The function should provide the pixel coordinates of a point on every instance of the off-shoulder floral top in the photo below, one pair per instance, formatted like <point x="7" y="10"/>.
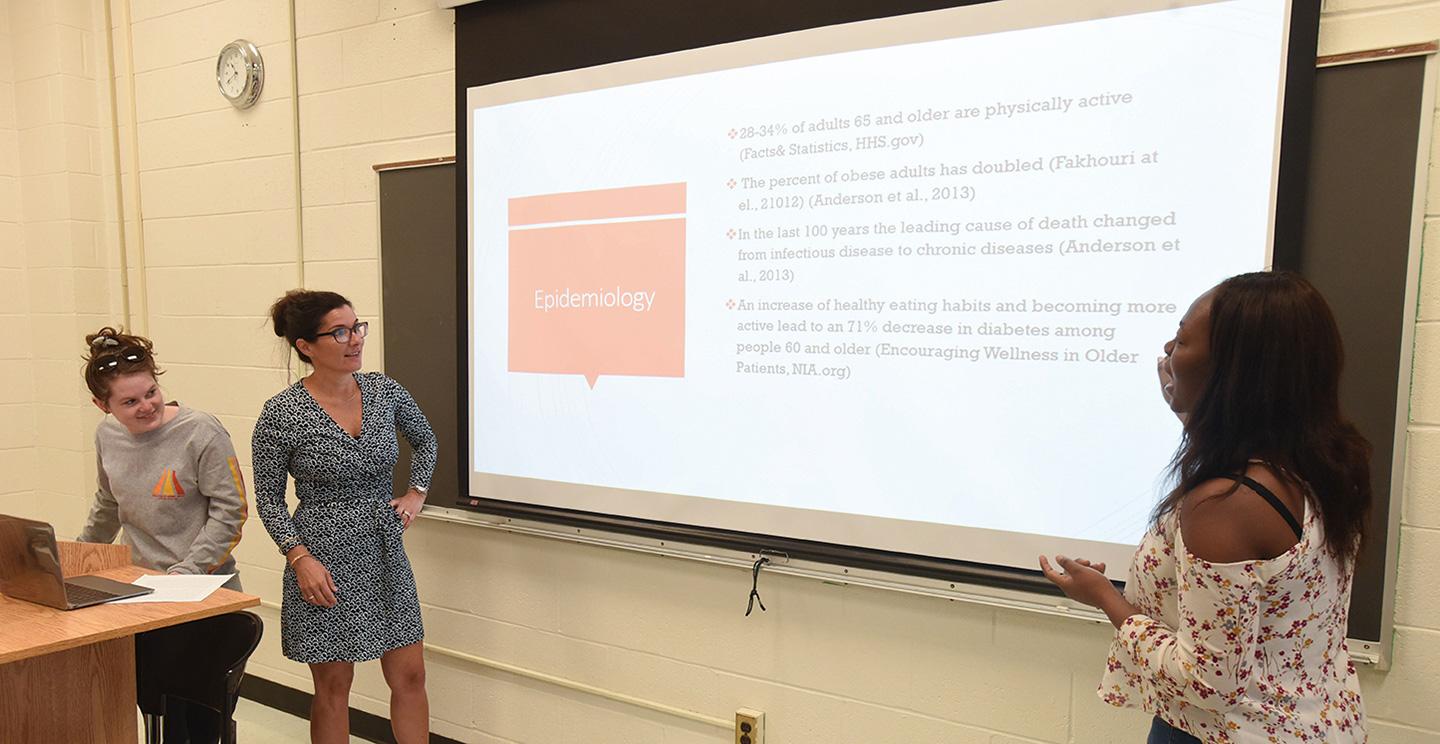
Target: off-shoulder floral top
<point x="1239" y="652"/>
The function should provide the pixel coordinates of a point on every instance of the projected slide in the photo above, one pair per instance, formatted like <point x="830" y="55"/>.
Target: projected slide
<point x="586" y="271"/>
<point x="899" y="284"/>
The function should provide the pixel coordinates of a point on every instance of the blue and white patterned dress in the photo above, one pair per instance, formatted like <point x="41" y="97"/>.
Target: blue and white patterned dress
<point x="344" y="518"/>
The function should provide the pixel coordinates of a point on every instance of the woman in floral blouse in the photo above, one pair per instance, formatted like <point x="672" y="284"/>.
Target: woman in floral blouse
<point x="1232" y="625"/>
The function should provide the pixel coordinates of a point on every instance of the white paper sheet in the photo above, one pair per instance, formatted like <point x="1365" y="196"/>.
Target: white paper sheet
<point x="177" y="587"/>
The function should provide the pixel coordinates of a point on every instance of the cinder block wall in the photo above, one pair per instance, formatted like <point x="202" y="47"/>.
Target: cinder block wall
<point x="17" y="387"/>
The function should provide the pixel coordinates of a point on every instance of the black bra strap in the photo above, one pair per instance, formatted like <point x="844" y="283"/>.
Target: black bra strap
<point x="1273" y="500"/>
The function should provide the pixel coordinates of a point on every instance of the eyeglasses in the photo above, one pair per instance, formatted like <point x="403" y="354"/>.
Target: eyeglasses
<point x="342" y="335"/>
<point x="112" y="361"/>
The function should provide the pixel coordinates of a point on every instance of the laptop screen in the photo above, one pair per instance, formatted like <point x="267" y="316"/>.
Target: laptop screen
<point x="30" y="562"/>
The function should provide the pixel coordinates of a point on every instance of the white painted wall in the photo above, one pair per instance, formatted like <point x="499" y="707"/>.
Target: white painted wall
<point x="219" y="239"/>
<point x="51" y="234"/>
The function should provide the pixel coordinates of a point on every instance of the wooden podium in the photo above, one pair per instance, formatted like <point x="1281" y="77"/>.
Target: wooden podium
<point x="70" y="675"/>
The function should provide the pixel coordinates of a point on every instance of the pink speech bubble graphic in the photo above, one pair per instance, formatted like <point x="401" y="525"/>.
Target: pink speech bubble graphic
<point x="598" y="298"/>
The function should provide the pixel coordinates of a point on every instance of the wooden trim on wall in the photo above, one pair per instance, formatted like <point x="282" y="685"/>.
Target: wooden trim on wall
<point x="1368" y="55"/>
<point x="441" y="160"/>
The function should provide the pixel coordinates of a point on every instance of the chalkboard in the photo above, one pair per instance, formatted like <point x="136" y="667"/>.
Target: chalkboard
<point x="417" y="296"/>
<point x="1356" y="243"/>
<point x="1356" y="250"/>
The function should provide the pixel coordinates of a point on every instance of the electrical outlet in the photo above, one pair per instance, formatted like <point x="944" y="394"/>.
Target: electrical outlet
<point x="749" y="726"/>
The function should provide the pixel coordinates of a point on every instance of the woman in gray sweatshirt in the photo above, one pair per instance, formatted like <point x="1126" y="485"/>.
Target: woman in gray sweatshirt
<point x="166" y="474"/>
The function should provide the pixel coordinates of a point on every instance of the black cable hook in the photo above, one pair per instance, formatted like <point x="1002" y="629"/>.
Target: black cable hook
<point x="755" y="586"/>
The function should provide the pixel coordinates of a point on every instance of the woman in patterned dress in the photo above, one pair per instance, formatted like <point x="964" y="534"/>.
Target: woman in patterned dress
<point x="1232" y="625"/>
<point x="349" y="594"/>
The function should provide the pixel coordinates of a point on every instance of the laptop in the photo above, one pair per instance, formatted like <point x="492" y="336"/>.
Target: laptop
<point x="30" y="570"/>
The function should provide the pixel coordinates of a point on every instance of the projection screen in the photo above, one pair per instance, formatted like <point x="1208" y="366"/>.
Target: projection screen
<point x="898" y="284"/>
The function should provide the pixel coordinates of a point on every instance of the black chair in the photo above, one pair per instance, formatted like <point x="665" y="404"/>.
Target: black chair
<point x="196" y="667"/>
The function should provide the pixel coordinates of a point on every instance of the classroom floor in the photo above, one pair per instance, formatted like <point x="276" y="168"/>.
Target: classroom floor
<point x="261" y="724"/>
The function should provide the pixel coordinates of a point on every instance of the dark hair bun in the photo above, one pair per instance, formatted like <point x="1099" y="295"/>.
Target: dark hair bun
<point x="108" y="338"/>
<point x="279" y="311"/>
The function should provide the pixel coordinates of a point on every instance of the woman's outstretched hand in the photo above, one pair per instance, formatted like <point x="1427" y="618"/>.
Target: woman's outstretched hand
<point x="1085" y="582"/>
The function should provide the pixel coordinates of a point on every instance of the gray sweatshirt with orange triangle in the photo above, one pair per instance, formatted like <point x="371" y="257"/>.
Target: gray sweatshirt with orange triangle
<point x="177" y="492"/>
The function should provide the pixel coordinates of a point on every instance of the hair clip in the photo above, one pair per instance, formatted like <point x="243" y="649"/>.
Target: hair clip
<point x="105" y="341"/>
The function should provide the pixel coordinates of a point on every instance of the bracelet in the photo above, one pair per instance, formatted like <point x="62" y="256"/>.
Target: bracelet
<point x="299" y="558"/>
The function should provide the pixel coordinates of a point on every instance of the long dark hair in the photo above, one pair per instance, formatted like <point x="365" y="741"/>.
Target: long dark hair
<point x="1273" y="395"/>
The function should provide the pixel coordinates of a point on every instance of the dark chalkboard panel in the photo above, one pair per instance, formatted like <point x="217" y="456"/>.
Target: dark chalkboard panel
<point x="417" y="293"/>
<point x="1361" y="203"/>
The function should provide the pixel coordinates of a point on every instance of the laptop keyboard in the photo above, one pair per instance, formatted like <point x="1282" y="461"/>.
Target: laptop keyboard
<point x="79" y="595"/>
